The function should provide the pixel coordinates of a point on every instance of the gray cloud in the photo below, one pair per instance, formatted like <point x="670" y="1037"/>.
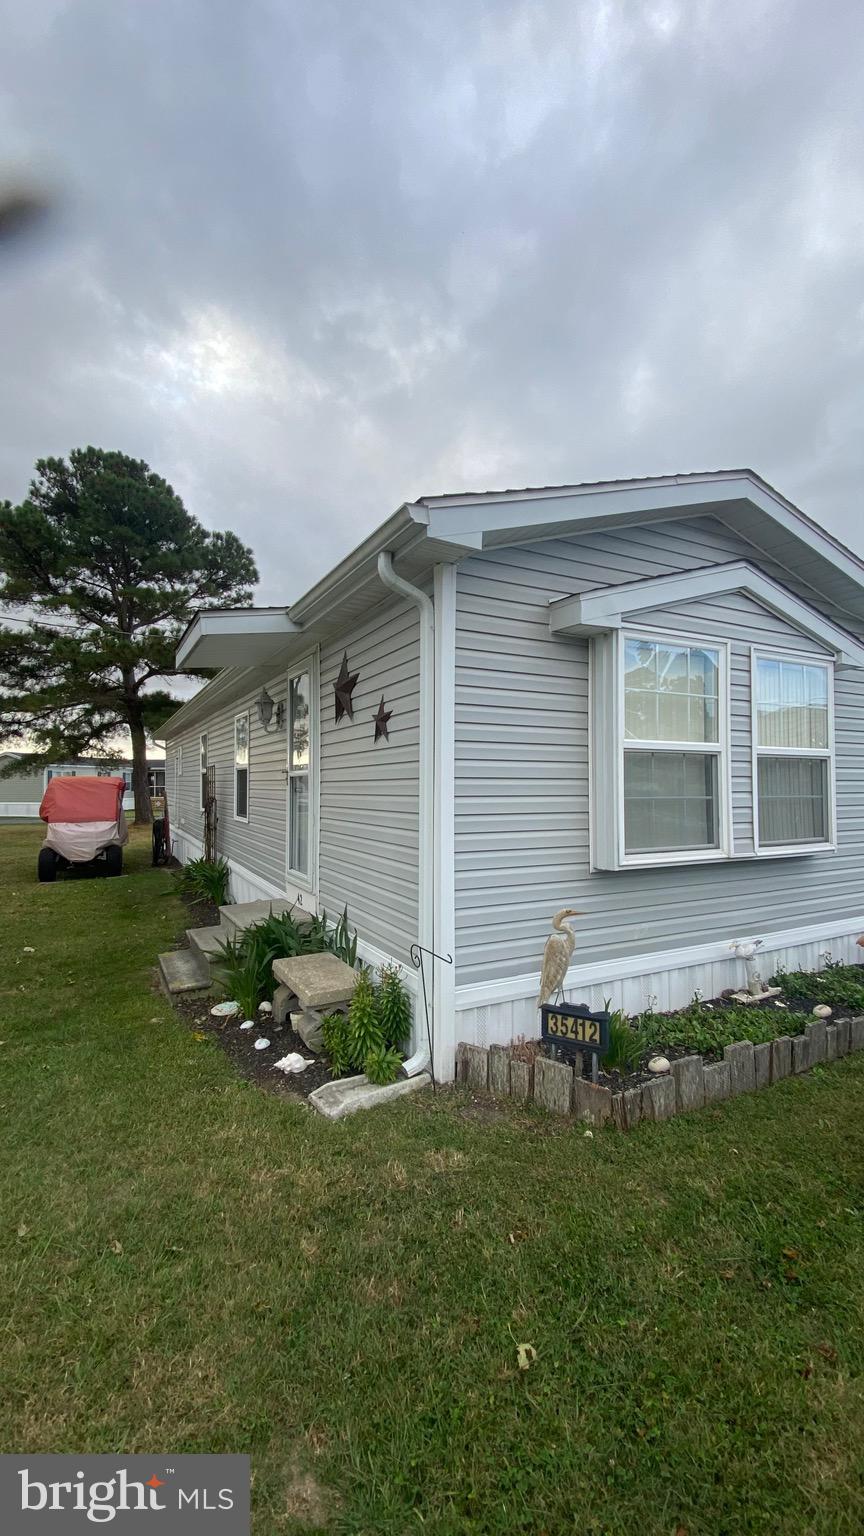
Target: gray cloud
<point x="316" y="260"/>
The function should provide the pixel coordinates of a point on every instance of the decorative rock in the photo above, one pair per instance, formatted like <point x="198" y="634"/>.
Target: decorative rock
<point x="658" y="1098"/>
<point x="822" y="1011"/>
<point x="248" y="1024"/>
<point x="553" y="1085"/>
<point x="742" y="1072"/>
<point x="762" y="1064"/>
<point x="843" y="1045"/>
<point x="800" y="1053"/>
<point x="224" y="1010"/>
<point x="521" y="1080"/>
<point x="856" y="1034"/>
<point x="815" y="1034"/>
<point x="716" y="1080"/>
<point x="499" y="1071"/>
<point x="262" y="1044"/>
<point x="781" y="1057"/>
<point x="831" y="1042"/>
<point x="689" y="1088"/>
<point x="591" y="1103"/>
<point x="658" y="1064"/>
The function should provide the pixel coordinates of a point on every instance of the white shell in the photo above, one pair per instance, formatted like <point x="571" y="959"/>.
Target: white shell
<point x="262" y="1044"/>
<point x="248" y="1024"/>
<point x="224" y="1010"/>
<point x="292" y="1063"/>
<point x="265" y="1007"/>
<point x="822" y="1011"/>
<point x="658" y="1064"/>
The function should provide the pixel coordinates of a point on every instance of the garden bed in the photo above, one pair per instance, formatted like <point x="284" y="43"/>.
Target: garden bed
<point x="258" y="1066"/>
<point x="712" y="1051"/>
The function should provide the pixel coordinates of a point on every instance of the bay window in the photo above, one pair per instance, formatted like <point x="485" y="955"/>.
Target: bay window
<point x="793" y="752"/>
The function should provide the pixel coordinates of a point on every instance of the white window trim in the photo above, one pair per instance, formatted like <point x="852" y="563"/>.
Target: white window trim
<point x="305" y="883"/>
<point x="242" y="714"/>
<point x="203" y="749"/>
<point x="829" y="753"/>
<point x="179" y="759"/>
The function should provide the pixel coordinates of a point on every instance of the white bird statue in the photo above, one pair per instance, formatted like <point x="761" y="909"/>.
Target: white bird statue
<point x="557" y="954"/>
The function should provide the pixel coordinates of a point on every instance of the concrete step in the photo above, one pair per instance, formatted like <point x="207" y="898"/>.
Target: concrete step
<point x="242" y="914"/>
<point x="184" y="970"/>
<point x="206" y="941"/>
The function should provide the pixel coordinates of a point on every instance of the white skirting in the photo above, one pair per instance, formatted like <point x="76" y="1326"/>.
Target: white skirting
<point x="493" y="1013"/>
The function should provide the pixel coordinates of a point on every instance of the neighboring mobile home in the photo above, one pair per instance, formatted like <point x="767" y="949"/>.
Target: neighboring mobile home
<point x="643" y="699"/>
<point x="21" y="793"/>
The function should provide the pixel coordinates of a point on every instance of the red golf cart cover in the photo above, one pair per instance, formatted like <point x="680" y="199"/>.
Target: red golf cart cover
<point x="87" y="798"/>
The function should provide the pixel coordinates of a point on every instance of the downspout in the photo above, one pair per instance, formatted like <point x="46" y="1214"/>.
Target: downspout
<point x="420" y="1061"/>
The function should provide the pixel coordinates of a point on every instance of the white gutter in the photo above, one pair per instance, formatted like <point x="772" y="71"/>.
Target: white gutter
<point x="420" y="1061"/>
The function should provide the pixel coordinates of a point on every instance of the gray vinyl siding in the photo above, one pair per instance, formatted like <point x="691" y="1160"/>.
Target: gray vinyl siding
<point x="522" y="767"/>
<point x="369" y="791"/>
<point x="24" y="787"/>
<point x="257" y="844"/>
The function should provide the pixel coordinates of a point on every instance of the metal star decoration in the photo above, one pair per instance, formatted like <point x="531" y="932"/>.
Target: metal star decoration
<point x="381" y="721"/>
<point x="343" y="688"/>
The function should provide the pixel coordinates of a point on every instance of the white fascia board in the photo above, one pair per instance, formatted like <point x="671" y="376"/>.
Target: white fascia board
<point x="458" y="519"/>
<point x="593" y="613"/>
<point x="234" y="637"/>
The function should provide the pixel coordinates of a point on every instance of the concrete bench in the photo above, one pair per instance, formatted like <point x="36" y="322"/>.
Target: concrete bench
<point x="320" y="984"/>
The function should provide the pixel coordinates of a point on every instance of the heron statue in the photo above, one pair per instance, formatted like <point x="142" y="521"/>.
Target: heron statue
<point x="557" y="954"/>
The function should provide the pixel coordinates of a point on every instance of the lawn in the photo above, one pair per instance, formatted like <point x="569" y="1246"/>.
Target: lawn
<point x="189" y="1264"/>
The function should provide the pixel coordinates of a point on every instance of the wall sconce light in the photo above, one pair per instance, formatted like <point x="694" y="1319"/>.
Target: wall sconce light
<point x="266" y="707"/>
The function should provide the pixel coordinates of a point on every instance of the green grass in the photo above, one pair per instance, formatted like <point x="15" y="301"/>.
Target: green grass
<point x="191" y="1265"/>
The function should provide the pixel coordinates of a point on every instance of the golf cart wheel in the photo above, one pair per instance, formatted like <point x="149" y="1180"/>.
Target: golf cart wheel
<point x="114" y="860"/>
<point x="46" y="865"/>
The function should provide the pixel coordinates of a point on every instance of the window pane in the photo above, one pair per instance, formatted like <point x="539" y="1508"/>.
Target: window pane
<point x="793" y="800"/>
<point x="671" y="692"/>
<point x="241" y="776"/>
<point x="241" y="741"/>
<point x="791" y="704"/>
<point x="299" y="716"/>
<point x="671" y="801"/>
<point x="298" y="841"/>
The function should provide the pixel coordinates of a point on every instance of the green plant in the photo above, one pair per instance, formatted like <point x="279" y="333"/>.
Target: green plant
<point x="365" y="1033"/>
<point x="382" y="1064"/>
<point x="394" y="1006"/>
<point x="625" y="1045"/>
<point x="336" y="1037"/>
<point x="707" y="1029"/>
<point x="839" y="986"/>
<point x="203" y="880"/>
<point x="242" y="969"/>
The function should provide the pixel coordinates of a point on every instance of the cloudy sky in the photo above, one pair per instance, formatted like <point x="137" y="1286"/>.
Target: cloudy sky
<point x="317" y="259"/>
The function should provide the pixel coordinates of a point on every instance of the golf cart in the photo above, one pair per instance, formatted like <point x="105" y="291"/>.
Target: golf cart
<point x="86" y="826"/>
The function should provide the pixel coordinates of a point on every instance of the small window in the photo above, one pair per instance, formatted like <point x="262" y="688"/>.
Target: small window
<point x="673" y="759"/>
<point x="299" y="719"/>
<point x="793" y="748"/>
<point x="241" y="767"/>
<point x="203" y="752"/>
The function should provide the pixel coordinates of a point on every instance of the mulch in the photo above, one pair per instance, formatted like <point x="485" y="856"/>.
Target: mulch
<point x="257" y="1066"/>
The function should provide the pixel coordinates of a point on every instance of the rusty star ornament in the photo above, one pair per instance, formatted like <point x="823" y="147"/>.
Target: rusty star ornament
<point x="382" y="719"/>
<point x="343" y="689"/>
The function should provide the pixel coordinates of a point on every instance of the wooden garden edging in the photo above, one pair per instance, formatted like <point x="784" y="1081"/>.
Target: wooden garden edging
<point x="691" y="1083"/>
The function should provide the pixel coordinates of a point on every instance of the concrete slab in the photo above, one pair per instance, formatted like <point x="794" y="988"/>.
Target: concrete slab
<point x="240" y="915"/>
<point x="349" y="1094"/>
<point x="318" y="980"/>
<point x="207" y="940"/>
<point x="183" y="970"/>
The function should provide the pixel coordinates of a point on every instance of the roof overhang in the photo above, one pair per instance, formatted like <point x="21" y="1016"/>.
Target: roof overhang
<point x="607" y="608"/>
<point x="234" y="637"/>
